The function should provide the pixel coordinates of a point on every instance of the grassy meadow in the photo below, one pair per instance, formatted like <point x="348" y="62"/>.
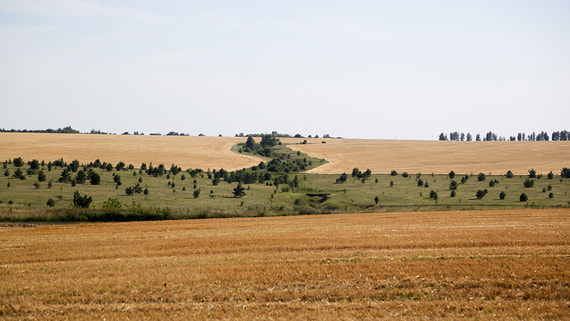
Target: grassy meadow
<point x="26" y="199"/>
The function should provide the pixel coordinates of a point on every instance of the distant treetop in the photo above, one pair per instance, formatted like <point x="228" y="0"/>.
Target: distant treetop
<point x="64" y="130"/>
<point x="563" y="135"/>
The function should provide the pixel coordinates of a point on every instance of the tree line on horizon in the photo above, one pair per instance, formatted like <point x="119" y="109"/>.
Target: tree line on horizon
<point x="563" y="135"/>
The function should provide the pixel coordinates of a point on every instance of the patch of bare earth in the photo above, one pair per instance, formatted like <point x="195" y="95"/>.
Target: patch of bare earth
<point x="440" y="157"/>
<point x="496" y="264"/>
<point x="184" y="151"/>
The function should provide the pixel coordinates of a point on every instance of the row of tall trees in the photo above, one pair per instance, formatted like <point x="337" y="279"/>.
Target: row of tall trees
<point x="563" y="135"/>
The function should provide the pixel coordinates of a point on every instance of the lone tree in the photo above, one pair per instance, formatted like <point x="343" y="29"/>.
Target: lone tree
<point x="433" y="195"/>
<point x="481" y="177"/>
<point x="451" y="175"/>
<point x="376" y="200"/>
<point x="239" y="191"/>
<point x="523" y="197"/>
<point x="531" y="173"/>
<point x="81" y="201"/>
<point x="480" y="194"/>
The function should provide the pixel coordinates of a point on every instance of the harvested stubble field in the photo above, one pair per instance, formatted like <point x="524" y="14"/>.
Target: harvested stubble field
<point x="185" y="151"/>
<point x="382" y="156"/>
<point x="496" y="264"/>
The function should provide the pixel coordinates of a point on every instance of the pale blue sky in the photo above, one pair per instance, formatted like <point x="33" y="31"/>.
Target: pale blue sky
<point x="359" y="69"/>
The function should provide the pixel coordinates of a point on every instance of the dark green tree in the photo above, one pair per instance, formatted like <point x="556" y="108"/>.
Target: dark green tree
<point x="81" y="177"/>
<point x="453" y="185"/>
<point x="250" y="143"/>
<point x="433" y="195"/>
<point x="239" y="191"/>
<point x="523" y="197"/>
<point x="510" y="174"/>
<point x="18" y="162"/>
<point x="18" y="173"/>
<point x="95" y="179"/>
<point x="451" y="175"/>
<point x="481" y="177"/>
<point x="81" y="201"/>
<point x="41" y="176"/>
<point x="376" y="200"/>
<point x="502" y="195"/>
<point x="480" y="194"/>
<point x="531" y="173"/>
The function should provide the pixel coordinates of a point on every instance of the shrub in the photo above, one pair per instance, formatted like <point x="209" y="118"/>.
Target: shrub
<point x="377" y="199"/>
<point x="343" y="177"/>
<point x="550" y="195"/>
<point x="433" y="195"/>
<point x="81" y="201"/>
<point x="420" y="182"/>
<point x="523" y="197"/>
<point x="196" y="193"/>
<point x="41" y="176"/>
<point x="405" y="174"/>
<point x="452" y="194"/>
<point x="112" y="203"/>
<point x="393" y="173"/>
<point x="95" y="179"/>
<point x="6" y="172"/>
<point x="50" y="203"/>
<point x="565" y="172"/>
<point x="550" y="175"/>
<point x="480" y="194"/>
<point x="451" y="175"/>
<point x="528" y="183"/>
<point x="19" y="174"/>
<point x="453" y="185"/>
<point x="492" y="183"/>
<point x="531" y="173"/>
<point x="502" y="195"/>
<point x="481" y="177"/>
<point x="18" y="162"/>
<point x="510" y="174"/>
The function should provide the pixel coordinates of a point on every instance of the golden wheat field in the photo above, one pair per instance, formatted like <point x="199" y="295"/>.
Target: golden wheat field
<point x="495" y="264"/>
<point x="383" y="156"/>
<point x="185" y="151"/>
<point x="380" y="156"/>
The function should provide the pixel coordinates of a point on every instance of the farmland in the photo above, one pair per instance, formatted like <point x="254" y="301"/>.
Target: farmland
<point x="380" y="156"/>
<point x="388" y="248"/>
<point x="494" y="264"/>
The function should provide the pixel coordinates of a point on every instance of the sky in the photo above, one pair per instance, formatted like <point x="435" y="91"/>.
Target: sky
<point x="356" y="69"/>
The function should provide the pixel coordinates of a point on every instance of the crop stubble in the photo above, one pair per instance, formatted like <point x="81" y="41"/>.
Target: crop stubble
<point x="496" y="264"/>
<point x="440" y="157"/>
<point x="380" y="156"/>
<point x="185" y="151"/>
